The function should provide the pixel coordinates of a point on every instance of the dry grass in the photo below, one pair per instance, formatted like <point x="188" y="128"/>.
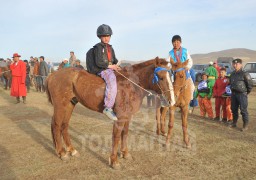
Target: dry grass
<point x="218" y="152"/>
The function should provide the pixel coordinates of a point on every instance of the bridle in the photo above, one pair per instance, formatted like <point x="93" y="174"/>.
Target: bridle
<point x="156" y="79"/>
<point x="182" y="87"/>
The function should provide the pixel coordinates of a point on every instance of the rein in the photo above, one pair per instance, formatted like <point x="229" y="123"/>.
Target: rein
<point x="149" y="93"/>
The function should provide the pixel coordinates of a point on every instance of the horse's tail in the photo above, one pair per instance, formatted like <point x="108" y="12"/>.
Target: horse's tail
<point x="47" y="89"/>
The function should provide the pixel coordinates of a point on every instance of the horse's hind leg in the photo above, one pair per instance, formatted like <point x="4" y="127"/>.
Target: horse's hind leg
<point x="124" y="148"/>
<point x="170" y="125"/>
<point x="184" y="117"/>
<point x="117" y="130"/>
<point x="66" y="136"/>
<point x="56" y="127"/>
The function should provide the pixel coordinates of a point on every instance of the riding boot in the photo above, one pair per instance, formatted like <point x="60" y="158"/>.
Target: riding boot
<point x="39" y="88"/>
<point x="18" y="100"/>
<point x="24" y="99"/>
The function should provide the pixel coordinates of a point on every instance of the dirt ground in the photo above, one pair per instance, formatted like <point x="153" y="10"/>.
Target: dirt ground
<point x="26" y="149"/>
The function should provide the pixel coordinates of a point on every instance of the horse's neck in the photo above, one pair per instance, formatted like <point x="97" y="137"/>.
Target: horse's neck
<point x="144" y="75"/>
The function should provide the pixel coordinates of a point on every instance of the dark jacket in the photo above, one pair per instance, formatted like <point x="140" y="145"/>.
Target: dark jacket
<point x="100" y="60"/>
<point x="241" y="82"/>
<point x="43" y="69"/>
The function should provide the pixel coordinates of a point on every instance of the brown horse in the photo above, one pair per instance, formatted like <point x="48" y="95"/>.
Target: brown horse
<point x="183" y="89"/>
<point x="5" y="72"/>
<point x="70" y="85"/>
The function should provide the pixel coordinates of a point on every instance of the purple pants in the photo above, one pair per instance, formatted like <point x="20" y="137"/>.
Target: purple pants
<point x="111" y="88"/>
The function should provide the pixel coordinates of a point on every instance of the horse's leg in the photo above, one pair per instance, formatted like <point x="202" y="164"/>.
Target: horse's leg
<point x="171" y="123"/>
<point x="158" y="116"/>
<point x="56" y="127"/>
<point x="158" y="120"/>
<point x="163" y="115"/>
<point x="116" y="136"/>
<point x="66" y="136"/>
<point x="184" y="117"/>
<point x="124" y="148"/>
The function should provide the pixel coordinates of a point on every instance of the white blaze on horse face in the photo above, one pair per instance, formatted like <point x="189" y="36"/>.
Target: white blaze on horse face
<point x="170" y="85"/>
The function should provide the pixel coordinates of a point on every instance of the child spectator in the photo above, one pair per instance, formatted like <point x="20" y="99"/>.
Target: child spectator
<point x="227" y="96"/>
<point x="204" y="94"/>
<point x="220" y="101"/>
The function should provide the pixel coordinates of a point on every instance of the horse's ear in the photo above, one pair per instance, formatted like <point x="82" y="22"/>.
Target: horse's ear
<point x="157" y="61"/>
<point x="185" y="63"/>
<point x="171" y="61"/>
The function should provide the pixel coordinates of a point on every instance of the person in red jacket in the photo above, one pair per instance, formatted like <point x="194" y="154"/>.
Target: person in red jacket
<point x="18" y="88"/>
<point x="219" y="89"/>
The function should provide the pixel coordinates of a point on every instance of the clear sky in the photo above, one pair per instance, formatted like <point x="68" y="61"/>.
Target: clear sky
<point x="142" y="28"/>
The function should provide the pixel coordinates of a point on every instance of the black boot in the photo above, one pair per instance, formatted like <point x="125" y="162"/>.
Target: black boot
<point x="24" y="99"/>
<point x="18" y="100"/>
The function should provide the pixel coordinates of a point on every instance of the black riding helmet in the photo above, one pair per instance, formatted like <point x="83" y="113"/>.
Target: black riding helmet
<point x="104" y="30"/>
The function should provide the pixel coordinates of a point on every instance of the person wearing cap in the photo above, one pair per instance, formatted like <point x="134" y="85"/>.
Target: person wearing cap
<point x="204" y="94"/>
<point x="72" y="59"/>
<point x="18" y="87"/>
<point x="241" y="85"/>
<point x="43" y="72"/>
<point x="212" y="74"/>
<point x="66" y="63"/>
<point x="180" y="54"/>
<point x="78" y="64"/>
<point x="215" y="65"/>
<point x="219" y="89"/>
<point x="101" y="60"/>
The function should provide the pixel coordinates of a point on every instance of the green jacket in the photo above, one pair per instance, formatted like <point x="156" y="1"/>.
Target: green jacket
<point x="211" y="71"/>
<point x="204" y="94"/>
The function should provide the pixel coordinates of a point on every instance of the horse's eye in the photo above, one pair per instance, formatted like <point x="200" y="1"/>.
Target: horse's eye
<point x="160" y="78"/>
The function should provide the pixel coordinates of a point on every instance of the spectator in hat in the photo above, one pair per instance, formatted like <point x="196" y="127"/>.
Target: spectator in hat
<point x="66" y="63"/>
<point x="204" y="94"/>
<point x="78" y="64"/>
<point x="18" y="87"/>
<point x="241" y="85"/>
<point x="72" y="59"/>
<point x="212" y="74"/>
<point x="43" y="72"/>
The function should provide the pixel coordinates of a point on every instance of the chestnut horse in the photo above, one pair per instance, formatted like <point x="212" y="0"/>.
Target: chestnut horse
<point x="5" y="72"/>
<point x="183" y="91"/>
<point x="68" y="86"/>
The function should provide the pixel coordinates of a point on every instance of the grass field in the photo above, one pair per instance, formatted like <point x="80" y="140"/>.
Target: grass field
<point x="27" y="152"/>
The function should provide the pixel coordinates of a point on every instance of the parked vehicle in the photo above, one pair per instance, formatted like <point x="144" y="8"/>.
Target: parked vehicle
<point x="199" y="69"/>
<point x="250" y="67"/>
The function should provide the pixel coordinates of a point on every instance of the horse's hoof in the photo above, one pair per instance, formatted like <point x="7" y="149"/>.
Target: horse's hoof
<point x="75" y="153"/>
<point x="164" y="134"/>
<point x="188" y="146"/>
<point x="167" y="145"/>
<point x="115" y="165"/>
<point x="126" y="156"/>
<point x="65" y="158"/>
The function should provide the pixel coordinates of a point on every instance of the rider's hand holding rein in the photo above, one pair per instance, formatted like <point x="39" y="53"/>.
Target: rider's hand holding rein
<point x="114" y="67"/>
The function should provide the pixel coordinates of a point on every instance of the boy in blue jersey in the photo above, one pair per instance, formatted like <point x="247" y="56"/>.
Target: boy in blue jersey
<point x="181" y="54"/>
